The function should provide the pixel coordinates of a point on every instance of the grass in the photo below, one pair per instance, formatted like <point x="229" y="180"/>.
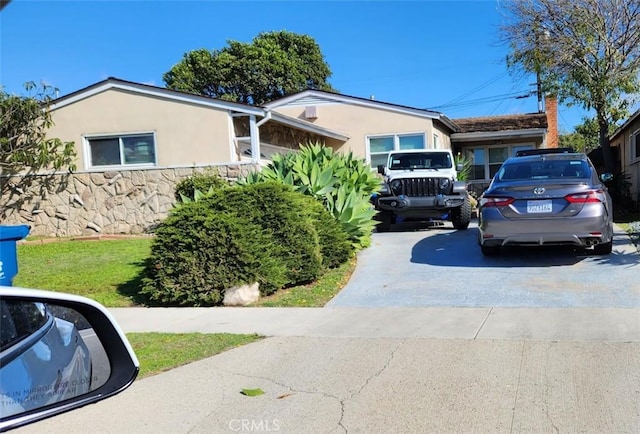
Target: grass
<point x="160" y="352"/>
<point x="316" y="294"/>
<point x="104" y="270"/>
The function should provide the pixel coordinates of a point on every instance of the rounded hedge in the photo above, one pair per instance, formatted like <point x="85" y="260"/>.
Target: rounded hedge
<point x="264" y="233"/>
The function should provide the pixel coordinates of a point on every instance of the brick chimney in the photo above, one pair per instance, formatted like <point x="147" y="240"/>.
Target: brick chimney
<point x="551" y="109"/>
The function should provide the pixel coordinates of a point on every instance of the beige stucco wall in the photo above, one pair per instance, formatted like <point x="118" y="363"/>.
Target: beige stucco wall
<point x="186" y="134"/>
<point x="359" y="122"/>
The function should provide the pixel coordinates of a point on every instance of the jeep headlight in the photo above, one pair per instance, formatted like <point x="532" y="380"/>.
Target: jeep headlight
<point x="396" y="187"/>
<point x="445" y="184"/>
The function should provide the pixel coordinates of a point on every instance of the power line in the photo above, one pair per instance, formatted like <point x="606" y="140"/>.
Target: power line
<point x="512" y="95"/>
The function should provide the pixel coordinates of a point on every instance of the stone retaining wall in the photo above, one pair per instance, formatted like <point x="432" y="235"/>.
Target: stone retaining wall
<point x="117" y="202"/>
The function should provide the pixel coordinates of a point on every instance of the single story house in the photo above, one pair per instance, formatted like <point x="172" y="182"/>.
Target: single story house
<point x="136" y="141"/>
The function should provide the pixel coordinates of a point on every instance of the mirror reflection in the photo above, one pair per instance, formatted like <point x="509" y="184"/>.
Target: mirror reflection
<point x="48" y="354"/>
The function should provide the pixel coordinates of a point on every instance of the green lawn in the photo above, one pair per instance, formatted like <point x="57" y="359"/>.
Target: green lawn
<point x="104" y="270"/>
<point x="159" y="352"/>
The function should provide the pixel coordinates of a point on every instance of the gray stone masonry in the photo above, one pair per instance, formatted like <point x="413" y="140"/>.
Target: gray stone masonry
<point x="90" y="203"/>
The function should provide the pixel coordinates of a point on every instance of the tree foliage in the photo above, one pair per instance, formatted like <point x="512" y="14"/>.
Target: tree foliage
<point x="587" y="52"/>
<point x="24" y="145"/>
<point x="585" y="138"/>
<point x="273" y="65"/>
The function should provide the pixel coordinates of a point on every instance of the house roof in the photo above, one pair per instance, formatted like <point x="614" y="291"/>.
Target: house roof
<point x="313" y="96"/>
<point x="145" y="89"/>
<point x="174" y="95"/>
<point x="530" y="125"/>
<point x="501" y="123"/>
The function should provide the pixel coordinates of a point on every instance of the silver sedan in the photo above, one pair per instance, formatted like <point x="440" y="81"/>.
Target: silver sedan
<point x="551" y="198"/>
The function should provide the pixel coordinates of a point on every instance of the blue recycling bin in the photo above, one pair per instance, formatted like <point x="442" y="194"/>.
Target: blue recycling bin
<point x="9" y="235"/>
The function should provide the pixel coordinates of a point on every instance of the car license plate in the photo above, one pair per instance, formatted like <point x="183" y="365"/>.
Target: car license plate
<point x="538" y="206"/>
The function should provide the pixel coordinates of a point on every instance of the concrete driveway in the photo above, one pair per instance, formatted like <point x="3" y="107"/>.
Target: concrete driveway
<point x="421" y="267"/>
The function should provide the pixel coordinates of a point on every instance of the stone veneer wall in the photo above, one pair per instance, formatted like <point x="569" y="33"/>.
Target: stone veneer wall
<point x="90" y="203"/>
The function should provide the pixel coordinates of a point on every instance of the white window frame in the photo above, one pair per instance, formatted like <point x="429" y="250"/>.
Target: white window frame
<point x="634" y="148"/>
<point x="88" y="163"/>
<point x="486" y="148"/>
<point x="436" y="141"/>
<point x="396" y="142"/>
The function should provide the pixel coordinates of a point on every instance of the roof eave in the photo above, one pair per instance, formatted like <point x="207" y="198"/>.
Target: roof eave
<point x="495" y="135"/>
<point x="347" y="99"/>
<point x="308" y="127"/>
<point x="113" y="83"/>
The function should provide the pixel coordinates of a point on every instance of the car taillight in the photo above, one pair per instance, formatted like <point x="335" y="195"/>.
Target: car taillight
<point x="592" y="196"/>
<point x="496" y="201"/>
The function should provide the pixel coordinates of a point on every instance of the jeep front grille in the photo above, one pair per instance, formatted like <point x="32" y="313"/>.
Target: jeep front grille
<point x="420" y="187"/>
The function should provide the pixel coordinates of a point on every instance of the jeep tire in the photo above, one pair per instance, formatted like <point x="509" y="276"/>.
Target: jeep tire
<point x="461" y="216"/>
<point x="387" y="218"/>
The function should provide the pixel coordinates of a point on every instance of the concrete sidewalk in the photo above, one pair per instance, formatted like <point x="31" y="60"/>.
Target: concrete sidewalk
<point x="545" y="324"/>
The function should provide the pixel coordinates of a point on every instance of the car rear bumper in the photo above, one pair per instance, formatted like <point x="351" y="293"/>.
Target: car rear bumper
<point x="495" y="230"/>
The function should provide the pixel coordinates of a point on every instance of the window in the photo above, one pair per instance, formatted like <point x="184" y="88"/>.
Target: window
<point x="487" y="160"/>
<point x="436" y="141"/>
<point x="129" y="150"/>
<point x="380" y="146"/>
<point x="635" y="145"/>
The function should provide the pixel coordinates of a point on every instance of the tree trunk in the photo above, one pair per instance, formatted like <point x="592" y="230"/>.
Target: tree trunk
<point x="607" y="154"/>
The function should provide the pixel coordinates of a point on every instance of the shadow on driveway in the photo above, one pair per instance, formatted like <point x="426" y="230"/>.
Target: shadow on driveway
<point x="444" y="247"/>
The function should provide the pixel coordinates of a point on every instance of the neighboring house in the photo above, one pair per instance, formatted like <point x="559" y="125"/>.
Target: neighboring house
<point x="135" y="141"/>
<point x="625" y="142"/>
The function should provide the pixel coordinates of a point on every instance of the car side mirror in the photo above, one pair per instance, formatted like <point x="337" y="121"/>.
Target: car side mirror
<point x="58" y="352"/>
<point x="459" y="167"/>
<point x="381" y="168"/>
<point x="606" y="177"/>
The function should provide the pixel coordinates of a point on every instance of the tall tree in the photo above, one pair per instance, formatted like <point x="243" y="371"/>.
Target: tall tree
<point x="25" y="147"/>
<point x="587" y="52"/>
<point x="273" y="65"/>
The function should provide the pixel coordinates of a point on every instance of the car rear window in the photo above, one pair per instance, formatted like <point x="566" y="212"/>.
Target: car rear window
<point x="544" y="169"/>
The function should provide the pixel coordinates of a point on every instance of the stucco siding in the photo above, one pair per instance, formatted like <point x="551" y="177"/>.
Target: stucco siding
<point x="361" y="122"/>
<point x="630" y="165"/>
<point x="186" y="134"/>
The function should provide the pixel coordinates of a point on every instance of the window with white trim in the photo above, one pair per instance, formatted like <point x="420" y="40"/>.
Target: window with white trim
<point x="380" y="146"/>
<point x="436" y="141"/>
<point x="121" y="150"/>
<point x="486" y="161"/>
<point x="635" y="146"/>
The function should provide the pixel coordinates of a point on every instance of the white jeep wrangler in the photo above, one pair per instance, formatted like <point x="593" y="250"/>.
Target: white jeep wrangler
<point x="422" y="185"/>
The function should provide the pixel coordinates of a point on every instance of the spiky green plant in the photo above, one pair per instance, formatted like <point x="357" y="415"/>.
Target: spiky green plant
<point x="342" y="182"/>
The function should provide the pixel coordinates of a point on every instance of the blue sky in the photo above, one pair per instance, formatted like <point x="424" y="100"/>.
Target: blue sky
<point x="443" y="55"/>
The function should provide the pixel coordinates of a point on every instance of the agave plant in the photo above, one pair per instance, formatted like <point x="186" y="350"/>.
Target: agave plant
<point x="342" y="182"/>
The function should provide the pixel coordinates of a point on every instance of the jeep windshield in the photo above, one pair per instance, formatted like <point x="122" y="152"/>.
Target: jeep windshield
<point x="419" y="160"/>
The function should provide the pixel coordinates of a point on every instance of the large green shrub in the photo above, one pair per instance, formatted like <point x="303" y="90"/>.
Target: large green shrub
<point x="335" y="245"/>
<point x="238" y="235"/>
<point x="341" y="182"/>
